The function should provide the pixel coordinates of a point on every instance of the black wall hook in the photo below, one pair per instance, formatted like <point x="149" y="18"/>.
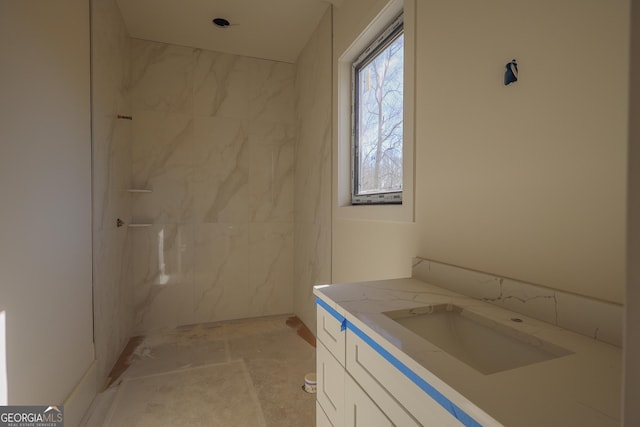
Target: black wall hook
<point x="511" y="72"/>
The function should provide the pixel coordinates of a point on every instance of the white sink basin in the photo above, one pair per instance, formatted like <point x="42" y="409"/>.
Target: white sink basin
<point x="481" y="343"/>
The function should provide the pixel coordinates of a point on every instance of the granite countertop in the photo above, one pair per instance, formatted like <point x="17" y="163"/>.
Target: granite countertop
<point x="579" y="389"/>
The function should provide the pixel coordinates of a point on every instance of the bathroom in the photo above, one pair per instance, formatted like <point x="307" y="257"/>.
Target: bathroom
<point x="527" y="181"/>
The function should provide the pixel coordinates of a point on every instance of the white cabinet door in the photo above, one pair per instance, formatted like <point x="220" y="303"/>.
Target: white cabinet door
<point x="330" y="386"/>
<point x="329" y="330"/>
<point x="360" y="410"/>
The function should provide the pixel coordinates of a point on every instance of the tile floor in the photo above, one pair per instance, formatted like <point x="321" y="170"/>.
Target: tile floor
<point x="242" y="373"/>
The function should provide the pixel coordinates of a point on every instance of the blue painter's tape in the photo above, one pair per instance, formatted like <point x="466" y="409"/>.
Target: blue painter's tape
<point x="451" y="407"/>
<point x="333" y="312"/>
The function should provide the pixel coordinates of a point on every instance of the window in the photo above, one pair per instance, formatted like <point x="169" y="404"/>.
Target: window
<point x="377" y="119"/>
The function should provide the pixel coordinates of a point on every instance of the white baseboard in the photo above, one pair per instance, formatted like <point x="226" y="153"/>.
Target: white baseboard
<point x="79" y="401"/>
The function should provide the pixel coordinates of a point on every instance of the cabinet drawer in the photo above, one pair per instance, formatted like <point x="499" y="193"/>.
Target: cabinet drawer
<point x="398" y="397"/>
<point x="321" y="418"/>
<point x="330" y="386"/>
<point x="360" y="410"/>
<point x="329" y="330"/>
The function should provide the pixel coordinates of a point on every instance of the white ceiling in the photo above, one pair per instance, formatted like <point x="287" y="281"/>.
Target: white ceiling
<point x="269" y="29"/>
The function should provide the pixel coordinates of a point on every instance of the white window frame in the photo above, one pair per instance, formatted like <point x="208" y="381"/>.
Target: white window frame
<point x="393" y="30"/>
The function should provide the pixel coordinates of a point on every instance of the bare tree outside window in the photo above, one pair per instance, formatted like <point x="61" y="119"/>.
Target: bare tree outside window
<point x="378" y="112"/>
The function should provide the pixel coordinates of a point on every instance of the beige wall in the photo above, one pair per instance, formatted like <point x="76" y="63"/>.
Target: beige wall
<point x="371" y="250"/>
<point x="312" y="255"/>
<point x="45" y="188"/>
<point x="369" y="242"/>
<point x="631" y="416"/>
<point x="111" y="139"/>
<point x="525" y="181"/>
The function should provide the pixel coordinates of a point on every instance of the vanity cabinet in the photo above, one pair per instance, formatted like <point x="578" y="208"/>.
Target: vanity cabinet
<point x="357" y="386"/>
<point x="375" y="370"/>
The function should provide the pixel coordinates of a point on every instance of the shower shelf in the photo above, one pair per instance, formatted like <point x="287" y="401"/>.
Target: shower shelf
<point x="138" y="190"/>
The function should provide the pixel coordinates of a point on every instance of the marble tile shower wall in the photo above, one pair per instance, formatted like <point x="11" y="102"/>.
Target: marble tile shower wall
<point x="111" y="166"/>
<point x="213" y="139"/>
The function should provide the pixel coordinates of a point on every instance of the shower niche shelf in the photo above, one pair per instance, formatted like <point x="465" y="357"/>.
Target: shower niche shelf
<point x="138" y="191"/>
